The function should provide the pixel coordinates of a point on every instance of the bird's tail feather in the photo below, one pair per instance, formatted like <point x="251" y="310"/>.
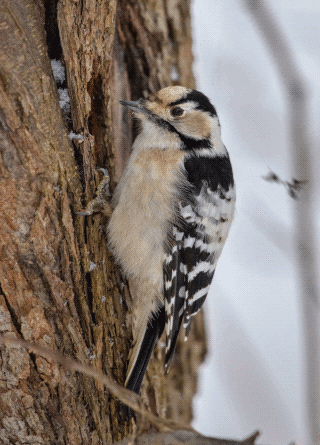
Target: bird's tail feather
<point x="140" y="357"/>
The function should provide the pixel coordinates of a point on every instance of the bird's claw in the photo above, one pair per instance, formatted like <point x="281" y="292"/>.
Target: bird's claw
<point x="99" y="203"/>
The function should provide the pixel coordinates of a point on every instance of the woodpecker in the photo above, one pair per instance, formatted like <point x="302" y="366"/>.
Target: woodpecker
<point x="172" y="211"/>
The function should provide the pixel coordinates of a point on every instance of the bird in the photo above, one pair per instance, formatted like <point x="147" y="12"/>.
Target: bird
<point x="172" y="210"/>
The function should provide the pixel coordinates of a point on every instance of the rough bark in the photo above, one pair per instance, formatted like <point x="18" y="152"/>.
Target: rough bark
<point x="59" y="285"/>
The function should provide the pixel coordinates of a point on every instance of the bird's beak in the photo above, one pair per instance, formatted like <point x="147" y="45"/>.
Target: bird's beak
<point x="135" y="105"/>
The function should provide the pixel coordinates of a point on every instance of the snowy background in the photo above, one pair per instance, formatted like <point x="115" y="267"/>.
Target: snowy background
<point x="253" y="375"/>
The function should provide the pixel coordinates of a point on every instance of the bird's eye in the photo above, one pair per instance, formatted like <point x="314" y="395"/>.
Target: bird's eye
<point x="176" y="111"/>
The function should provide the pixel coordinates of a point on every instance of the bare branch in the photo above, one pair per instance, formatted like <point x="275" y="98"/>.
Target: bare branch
<point x="170" y="431"/>
<point x="185" y="438"/>
<point x="127" y="397"/>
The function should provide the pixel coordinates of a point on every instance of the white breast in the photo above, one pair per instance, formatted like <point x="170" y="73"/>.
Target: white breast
<point x="145" y="197"/>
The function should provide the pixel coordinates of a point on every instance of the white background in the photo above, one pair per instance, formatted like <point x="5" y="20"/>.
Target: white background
<point x="253" y="375"/>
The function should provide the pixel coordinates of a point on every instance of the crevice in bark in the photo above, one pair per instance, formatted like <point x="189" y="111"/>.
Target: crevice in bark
<point x="90" y="298"/>
<point x="78" y="156"/>
<point x="33" y="360"/>
<point x="83" y="319"/>
<point x="34" y="276"/>
<point x="52" y="30"/>
<point x="55" y="53"/>
<point x="95" y="120"/>
<point x="135" y="54"/>
<point x="14" y="318"/>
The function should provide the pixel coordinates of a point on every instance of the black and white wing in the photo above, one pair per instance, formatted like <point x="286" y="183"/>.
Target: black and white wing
<point x="198" y="240"/>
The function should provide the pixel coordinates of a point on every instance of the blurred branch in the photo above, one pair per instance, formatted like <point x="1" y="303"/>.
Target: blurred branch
<point x="293" y="187"/>
<point x="278" y="46"/>
<point x="129" y="398"/>
<point x="185" y="438"/>
<point x="299" y="125"/>
<point x="171" y="432"/>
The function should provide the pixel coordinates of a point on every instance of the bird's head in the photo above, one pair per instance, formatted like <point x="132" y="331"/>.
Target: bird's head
<point x="183" y="111"/>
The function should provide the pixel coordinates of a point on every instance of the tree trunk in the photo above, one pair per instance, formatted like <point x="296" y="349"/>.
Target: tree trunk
<point x="59" y="285"/>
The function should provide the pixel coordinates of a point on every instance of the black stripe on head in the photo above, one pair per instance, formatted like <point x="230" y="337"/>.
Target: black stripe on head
<point x="215" y="171"/>
<point x="203" y="103"/>
<point x="187" y="143"/>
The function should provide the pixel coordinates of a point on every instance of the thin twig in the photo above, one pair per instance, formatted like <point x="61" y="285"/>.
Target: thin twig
<point x="185" y="438"/>
<point x="293" y="188"/>
<point x="129" y="398"/>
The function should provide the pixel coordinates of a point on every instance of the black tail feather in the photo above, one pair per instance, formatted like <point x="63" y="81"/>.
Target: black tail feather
<point x="153" y="332"/>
